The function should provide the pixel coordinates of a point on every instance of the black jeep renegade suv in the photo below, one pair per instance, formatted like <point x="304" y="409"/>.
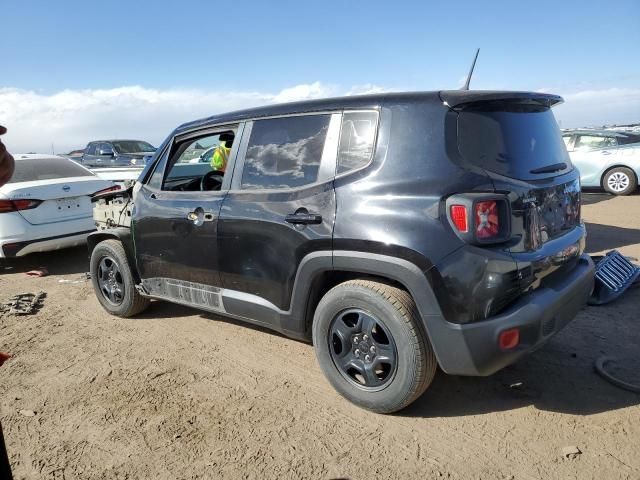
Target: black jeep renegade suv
<point x="398" y="232"/>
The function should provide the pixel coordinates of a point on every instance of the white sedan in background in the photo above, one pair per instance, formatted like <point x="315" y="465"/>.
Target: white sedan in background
<point x="46" y="205"/>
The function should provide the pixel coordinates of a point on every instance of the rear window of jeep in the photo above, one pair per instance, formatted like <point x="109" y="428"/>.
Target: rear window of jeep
<point x="515" y="140"/>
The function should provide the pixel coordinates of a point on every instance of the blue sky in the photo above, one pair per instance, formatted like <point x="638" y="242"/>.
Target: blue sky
<point x="254" y="51"/>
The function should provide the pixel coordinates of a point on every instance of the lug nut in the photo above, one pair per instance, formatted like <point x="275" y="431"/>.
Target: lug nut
<point x="367" y="358"/>
<point x="372" y="349"/>
<point x="365" y="338"/>
<point x="357" y="352"/>
<point x="356" y="339"/>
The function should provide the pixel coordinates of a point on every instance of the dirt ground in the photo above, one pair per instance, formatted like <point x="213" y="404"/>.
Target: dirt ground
<point x="182" y="394"/>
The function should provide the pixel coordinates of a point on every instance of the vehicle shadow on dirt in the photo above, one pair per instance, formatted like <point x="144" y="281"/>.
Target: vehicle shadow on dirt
<point x="161" y="309"/>
<point x="606" y="237"/>
<point x="593" y="196"/>
<point x="560" y="377"/>
<point x="63" y="262"/>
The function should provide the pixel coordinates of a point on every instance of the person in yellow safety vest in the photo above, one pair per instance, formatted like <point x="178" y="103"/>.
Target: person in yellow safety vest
<point x="221" y="153"/>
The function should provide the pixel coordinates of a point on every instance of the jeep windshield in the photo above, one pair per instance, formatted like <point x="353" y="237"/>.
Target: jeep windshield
<point x="131" y="146"/>
<point x="518" y="140"/>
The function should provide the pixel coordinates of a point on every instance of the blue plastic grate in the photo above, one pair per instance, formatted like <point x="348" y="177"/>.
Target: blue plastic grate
<point x="614" y="274"/>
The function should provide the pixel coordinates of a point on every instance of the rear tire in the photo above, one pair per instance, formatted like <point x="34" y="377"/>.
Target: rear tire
<point x="113" y="281"/>
<point x="341" y="324"/>
<point x="620" y="181"/>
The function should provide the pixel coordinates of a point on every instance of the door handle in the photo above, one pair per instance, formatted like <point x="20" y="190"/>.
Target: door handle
<point x="606" y="152"/>
<point x="199" y="216"/>
<point x="303" y="218"/>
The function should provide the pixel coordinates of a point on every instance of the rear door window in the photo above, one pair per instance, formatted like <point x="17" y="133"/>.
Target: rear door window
<point x="28" y="170"/>
<point x="284" y="152"/>
<point x="584" y="143"/>
<point x="516" y="140"/>
<point x="357" y="139"/>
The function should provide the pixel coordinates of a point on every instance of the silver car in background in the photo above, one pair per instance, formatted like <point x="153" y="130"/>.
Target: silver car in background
<point x="605" y="158"/>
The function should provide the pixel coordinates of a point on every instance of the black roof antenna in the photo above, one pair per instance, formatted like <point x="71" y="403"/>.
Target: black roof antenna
<point x="473" y="65"/>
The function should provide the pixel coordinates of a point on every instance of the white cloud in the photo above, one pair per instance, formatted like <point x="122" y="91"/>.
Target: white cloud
<point x="366" y="89"/>
<point x="598" y="107"/>
<point x="70" y="118"/>
<point x="303" y="92"/>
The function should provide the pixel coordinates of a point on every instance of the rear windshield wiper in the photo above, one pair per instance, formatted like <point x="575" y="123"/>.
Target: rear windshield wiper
<point x="556" y="167"/>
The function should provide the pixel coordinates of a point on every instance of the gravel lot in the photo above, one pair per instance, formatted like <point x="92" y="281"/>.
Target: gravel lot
<point x="182" y="394"/>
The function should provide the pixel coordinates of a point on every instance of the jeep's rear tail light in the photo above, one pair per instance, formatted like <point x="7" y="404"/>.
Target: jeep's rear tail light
<point x="7" y="206"/>
<point x="509" y="339"/>
<point x="487" y="220"/>
<point x="459" y="217"/>
<point x="480" y="218"/>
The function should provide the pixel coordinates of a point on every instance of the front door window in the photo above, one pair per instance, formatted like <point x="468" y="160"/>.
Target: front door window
<point x="200" y="164"/>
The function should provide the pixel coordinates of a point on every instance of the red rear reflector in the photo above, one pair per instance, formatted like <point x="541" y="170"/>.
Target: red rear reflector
<point x="509" y="339"/>
<point x="16" y="205"/>
<point x="486" y="218"/>
<point x="459" y="217"/>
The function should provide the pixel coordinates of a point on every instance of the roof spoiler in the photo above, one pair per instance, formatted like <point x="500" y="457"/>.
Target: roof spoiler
<point x="455" y="99"/>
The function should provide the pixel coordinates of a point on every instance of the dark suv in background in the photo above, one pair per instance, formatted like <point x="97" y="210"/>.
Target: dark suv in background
<point x="117" y="153"/>
<point x="398" y="232"/>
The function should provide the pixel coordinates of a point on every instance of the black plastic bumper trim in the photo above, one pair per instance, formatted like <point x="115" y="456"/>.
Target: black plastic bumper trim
<point x="539" y="315"/>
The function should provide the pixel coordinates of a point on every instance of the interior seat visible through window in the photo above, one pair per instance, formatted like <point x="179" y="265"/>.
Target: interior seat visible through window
<point x="199" y="164"/>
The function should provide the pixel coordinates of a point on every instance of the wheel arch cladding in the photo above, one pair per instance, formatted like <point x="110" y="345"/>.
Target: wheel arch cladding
<point x="325" y="280"/>
<point x="123" y="235"/>
<point x="405" y="275"/>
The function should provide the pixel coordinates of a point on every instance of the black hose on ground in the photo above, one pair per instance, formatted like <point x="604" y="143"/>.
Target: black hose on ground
<point x="610" y="378"/>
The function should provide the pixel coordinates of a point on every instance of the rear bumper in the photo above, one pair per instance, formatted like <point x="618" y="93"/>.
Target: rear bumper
<point x="19" y="237"/>
<point x="472" y="349"/>
<point x="21" y="248"/>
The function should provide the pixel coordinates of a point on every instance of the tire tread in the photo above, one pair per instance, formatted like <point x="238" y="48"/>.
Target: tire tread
<point x="425" y="360"/>
<point x="138" y="303"/>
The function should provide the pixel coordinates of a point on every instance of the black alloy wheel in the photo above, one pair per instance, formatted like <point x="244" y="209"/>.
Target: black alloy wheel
<point x="110" y="280"/>
<point x="363" y="349"/>
<point x="113" y="280"/>
<point x="371" y="345"/>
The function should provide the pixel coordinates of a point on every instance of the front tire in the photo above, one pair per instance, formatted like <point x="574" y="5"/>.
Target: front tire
<point x="620" y="181"/>
<point x="371" y="346"/>
<point x="113" y="281"/>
